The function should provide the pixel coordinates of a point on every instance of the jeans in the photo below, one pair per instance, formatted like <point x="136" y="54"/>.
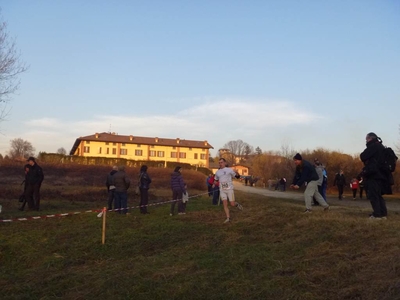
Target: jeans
<point x="177" y="197"/>
<point x="312" y="192"/>
<point x="215" y="198"/>
<point x="144" y="200"/>
<point x="110" y="198"/>
<point x="121" y="202"/>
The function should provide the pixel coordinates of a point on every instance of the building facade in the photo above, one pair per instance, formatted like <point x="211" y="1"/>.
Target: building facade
<point x="112" y="145"/>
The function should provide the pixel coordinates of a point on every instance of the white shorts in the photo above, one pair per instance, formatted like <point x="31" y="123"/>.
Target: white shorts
<point x="227" y="194"/>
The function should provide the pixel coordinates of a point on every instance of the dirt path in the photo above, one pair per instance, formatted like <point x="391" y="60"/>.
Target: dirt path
<point x="392" y="205"/>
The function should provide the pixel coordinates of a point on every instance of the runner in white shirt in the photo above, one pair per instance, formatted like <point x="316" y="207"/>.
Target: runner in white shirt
<point x="224" y="175"/>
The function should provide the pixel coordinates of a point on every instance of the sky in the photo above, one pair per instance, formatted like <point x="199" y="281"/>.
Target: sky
<point x="272" y="73"/>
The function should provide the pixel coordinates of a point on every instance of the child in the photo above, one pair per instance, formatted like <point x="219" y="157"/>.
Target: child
<point x="354" y="187"/>
<point x="185" y="199"/>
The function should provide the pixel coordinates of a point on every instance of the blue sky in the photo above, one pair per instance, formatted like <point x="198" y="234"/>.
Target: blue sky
<point x="306" y="74"/>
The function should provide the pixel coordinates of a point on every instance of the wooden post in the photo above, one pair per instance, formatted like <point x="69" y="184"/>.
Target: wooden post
<point x="103" y="239"/>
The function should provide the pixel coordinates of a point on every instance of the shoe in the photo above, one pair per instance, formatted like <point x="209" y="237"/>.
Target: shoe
<point x="180" y="213"/>
<point x="354" y="198"/>
<point x="307" y="211"/>
<point x="227" y="220"/>
<point x="374" y="218"/>
<point x="170" y="215"/>
<point x="384" y="218"/>
<point x="239" y="206"/>
<point x="327" y="208"/>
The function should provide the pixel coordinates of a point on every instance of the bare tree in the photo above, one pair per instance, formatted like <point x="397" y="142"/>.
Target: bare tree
<point x="20" y="149"/>
<point x="10" y="67"/>
<point x="62" y="151"/>
<point x="237" y="150"/>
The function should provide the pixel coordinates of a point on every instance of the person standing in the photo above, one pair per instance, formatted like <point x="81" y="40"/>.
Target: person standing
<point x="215" y="190"/>
<point x="361" y="185"/>
<point x="122" y="183"/>
<point x="34" y="178"/>
<point x="354" y="187"/>
<point x="340" y="182"/>
<point x="178" y="189"/>
<point x="374" y="179"/>
<point x="111" y="187"/>
<point x="319" y="168"/>
<point x="144" y="185"/>
<point x="185" y="200"/>
<point x="224" y="177"/>
<point x="209" y="186"/>
<point x="306" y="173"/>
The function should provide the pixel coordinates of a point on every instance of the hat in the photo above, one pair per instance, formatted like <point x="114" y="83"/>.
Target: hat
<point x="31" y="158"/>
<point x="297" y="157"/>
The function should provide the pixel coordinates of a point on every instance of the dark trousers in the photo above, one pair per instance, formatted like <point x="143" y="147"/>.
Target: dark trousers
<point x="209" y="188"/>
<point x="340" y="190"/>
<point x="361" y="192"/>
<point x="177" y="197"/>
<point x="32" y="194"/>
<point x="373" y="189"/>
<point x="121" y="202"/>
<point x="354" y="193"/>
<point x="110" y="198"/>
<point x="215" y="198"/>
<point x="144" y="200"/>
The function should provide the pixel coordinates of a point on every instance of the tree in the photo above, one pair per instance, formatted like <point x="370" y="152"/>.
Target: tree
<point x="62" y="151"/>
<point x="258" y="151"/>
<point x="236" y="151"/>
<point x="10" y="67"/>
<point x="20" y="149"/>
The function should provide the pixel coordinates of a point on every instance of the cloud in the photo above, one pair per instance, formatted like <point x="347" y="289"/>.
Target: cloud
<point x="215" y="120"/>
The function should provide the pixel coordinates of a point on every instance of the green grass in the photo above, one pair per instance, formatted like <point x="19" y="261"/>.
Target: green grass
<point x="269" y="251"/>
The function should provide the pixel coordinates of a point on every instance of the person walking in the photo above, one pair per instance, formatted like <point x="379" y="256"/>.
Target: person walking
<point x="354" y="184"/>
<point x="319" y="168"/>
<point x="178" y="189"/>
<point x="111" y="187"/>
<point x="361" y="185"/>
<point x="33" y="180"/>
<point x="121" y="183"/>
<point x="224" y="177"/>
<point x="144" y="185"/>
<point x="340" y="182"/>
<point x="306" y="173"/>
<point x="374" y="179"/>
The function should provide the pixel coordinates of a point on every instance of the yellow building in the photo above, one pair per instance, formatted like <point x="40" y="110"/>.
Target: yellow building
<point x="143" y="148"/>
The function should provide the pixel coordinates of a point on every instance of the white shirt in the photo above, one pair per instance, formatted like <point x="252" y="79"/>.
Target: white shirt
<point x="224" y="176"/>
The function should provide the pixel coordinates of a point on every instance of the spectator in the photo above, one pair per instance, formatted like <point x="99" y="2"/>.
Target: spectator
<point x="33" y="181"/>
<point x="354" y="184"/>
<point x="306" y="173"/>
<point x="185" y="200"/>
<point x="319" y="168"/>
<point x="209" y="187"/>
<point x="224" y="176"/>
<point x="121" y="183"/>
<point x="215" y="190"/>
<point x="144" y="185"/>
<point x="374" y="180"/>
<point x="111" y="187"/>
<point x="361" y="185"/>
<point x="282" y="184"/>
<point x="178" y="189"/>
<point x="340" y="182"/>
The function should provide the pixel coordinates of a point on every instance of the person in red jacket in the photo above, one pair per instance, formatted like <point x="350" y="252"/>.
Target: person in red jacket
<point x="354" y="184"/>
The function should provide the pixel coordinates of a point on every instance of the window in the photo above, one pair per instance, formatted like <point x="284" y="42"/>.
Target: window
<point x="123" y="144"/>
<point x="107" y="143"/>
<point x="203" y="150"/>
<point x="138" y="145"/>
<point x="160" y="153"/>
<point x="86" y="149"/>
<point x="114" y="151"/>
<point x="87" y="142"/>
<point x="152" y="153"/>
<point x="202" y="156"/>
<point x="138" y="152"/>
<point x="196" y="156"/>
<point x="152" y="146"/>
<point x="190" y="149"/>
<point x="173" y="154"/>
<point x="108" y="151"/>
<point x="99" y="150"/>
<point x="123" y="151"/>
<point x="114" y="144"/>
<point x="173" y="148"/>
<point x="182" y="154"/>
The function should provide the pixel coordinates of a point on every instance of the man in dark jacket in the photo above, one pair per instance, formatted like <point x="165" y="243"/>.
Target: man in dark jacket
<point x="144" y="185"/>
<point x="340" y="182"/>
<point x="306" y="173"/>
<point x="178" y="189"/>
<point x="374" y="179"/>
<point x="122" y="183"/>
<point x="33" y="181"/>
<point x="111" y="187"/>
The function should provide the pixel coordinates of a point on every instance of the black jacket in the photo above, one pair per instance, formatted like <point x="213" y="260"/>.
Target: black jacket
<point x="373" y="157"/>
<point x="110" y="179"/>
<point x="35" y="175"/>
<point x="339" y="179"/>
<point x="144" y="180"/>
<point x="305" y="172"/>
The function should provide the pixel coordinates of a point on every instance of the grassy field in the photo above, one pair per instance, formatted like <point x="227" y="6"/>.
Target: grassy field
<point x="269" y="251"/>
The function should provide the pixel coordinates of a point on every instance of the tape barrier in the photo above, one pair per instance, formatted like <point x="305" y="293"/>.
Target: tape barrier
<point x="100" y="211"/>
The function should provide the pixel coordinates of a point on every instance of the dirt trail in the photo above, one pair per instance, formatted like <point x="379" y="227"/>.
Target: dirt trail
<point x="392" y="205"/>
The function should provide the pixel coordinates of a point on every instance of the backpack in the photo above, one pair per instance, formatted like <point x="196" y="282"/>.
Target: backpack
<point x="389" y="161"/>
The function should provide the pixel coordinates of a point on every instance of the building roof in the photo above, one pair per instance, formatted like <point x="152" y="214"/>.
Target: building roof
<point x="131" y="139"/>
